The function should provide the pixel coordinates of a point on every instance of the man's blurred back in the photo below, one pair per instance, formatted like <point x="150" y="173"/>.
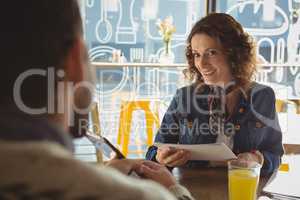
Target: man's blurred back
<point x="43" y="62"/>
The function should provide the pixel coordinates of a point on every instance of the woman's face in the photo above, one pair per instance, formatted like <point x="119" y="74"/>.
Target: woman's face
<point x="210" y="60"/>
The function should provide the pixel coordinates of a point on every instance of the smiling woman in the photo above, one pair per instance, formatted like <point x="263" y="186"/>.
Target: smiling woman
<point x="212" y="64"/>
<point x="222" y="62"/>
<point x="223" y="33"/>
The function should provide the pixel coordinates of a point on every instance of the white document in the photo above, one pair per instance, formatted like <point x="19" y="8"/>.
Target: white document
<point x="283" y="184"/>
<point x="213" y="152"/>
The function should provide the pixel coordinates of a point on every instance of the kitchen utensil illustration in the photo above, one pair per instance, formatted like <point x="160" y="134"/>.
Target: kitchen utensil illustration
<point x="112" y="6"/>
<point x="278" y="30"/>
<point x="90" y="3"/>
<point x="271" y="50"/>
<point x="103" y="26"/>
<point x="181" y="33"/>
<point x="136" y="55"/>
<point x="150" y="9"/>
<point x="126" y="33"/>
<point x="269" y="10"/>
<point x="293" y="39"/>
<point x="296" y="85"/>
<point x="119" y="76"/>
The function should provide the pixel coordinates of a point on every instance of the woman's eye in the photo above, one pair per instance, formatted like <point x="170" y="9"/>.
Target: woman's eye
<point x="196" y="55"/>
<point x="211" y="52"/>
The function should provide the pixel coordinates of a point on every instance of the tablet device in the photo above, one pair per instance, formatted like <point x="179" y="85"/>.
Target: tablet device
<point x="105" y="146"/>
<point x="108" y="150"/>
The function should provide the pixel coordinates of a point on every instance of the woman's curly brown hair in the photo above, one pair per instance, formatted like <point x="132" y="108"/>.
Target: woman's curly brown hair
<point x="239" y="47"/>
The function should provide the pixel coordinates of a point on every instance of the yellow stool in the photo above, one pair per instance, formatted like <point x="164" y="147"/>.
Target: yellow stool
<point x="284" y="167"/>
<point x="297" y="104"/>
<point x="96" y="128"/>
<point x="127" y="108"/>
<point x="95" y="119"/>
<point x="280" y="105"/>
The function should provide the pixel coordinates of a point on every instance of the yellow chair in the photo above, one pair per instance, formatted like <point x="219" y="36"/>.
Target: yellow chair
<point x="296" y="102"/>
<point x="96" y="119"/>
<point x="127" y="109"/>
<point x="96" y="128"/>
<point x="280" y="105"/>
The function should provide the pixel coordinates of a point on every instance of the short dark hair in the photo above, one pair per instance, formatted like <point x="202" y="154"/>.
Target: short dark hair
<point x="35" y="34"/>
<point x="239" y="47"/>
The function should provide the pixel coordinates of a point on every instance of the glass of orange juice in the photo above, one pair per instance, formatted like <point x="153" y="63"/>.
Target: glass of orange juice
<point x="243" y="179"/>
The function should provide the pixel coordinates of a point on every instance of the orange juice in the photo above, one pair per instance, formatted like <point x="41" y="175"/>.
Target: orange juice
<point x="242" y="184"/>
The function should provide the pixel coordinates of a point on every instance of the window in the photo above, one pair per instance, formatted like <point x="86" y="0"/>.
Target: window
<point x="275" y="26"/>
<point x="131" y="28"/>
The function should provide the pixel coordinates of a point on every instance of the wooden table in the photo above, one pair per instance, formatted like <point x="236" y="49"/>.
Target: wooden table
<point x="207" y="183"/>
<point x="211" y="183"/>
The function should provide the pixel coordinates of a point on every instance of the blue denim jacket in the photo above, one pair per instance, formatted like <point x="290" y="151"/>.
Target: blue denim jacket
<point x="254" y="122"/>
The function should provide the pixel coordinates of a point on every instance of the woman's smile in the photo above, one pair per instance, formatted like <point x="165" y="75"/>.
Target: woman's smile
<point x="210" y="60"/>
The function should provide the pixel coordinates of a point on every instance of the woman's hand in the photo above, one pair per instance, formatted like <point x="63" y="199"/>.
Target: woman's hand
<point x="172" y="157"/>
<point x="156" y="172"/>
<point x="254" y="157"/>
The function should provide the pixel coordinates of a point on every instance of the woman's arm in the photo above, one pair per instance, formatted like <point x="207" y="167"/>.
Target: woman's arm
<point x="270" y="144"/>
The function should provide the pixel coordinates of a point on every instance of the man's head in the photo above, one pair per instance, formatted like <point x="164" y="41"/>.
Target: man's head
<point x="41" y="46"/>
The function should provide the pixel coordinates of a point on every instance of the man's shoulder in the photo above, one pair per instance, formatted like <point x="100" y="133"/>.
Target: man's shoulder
<point x="51" y="163"/>
<point x="29" y="163"/>
<point x="20" y="127"/>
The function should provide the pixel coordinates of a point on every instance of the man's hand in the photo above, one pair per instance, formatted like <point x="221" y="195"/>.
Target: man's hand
<point x="156" y="172"/>
<point x="124" y="165"/>
<point x="172" y="157"/>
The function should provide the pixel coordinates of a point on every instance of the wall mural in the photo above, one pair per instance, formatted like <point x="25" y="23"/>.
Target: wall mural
<point x="129" y="29"/>
<point x="130" y="25"/>
<point x="275" y="25"/>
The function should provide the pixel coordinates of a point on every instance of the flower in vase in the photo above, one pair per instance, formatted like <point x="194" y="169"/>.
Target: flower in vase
<point x="166" y="30"/>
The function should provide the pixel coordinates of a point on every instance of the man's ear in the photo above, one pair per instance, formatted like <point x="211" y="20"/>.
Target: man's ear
<point x="74" y="65"/>
<point x="75" y="61"/>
